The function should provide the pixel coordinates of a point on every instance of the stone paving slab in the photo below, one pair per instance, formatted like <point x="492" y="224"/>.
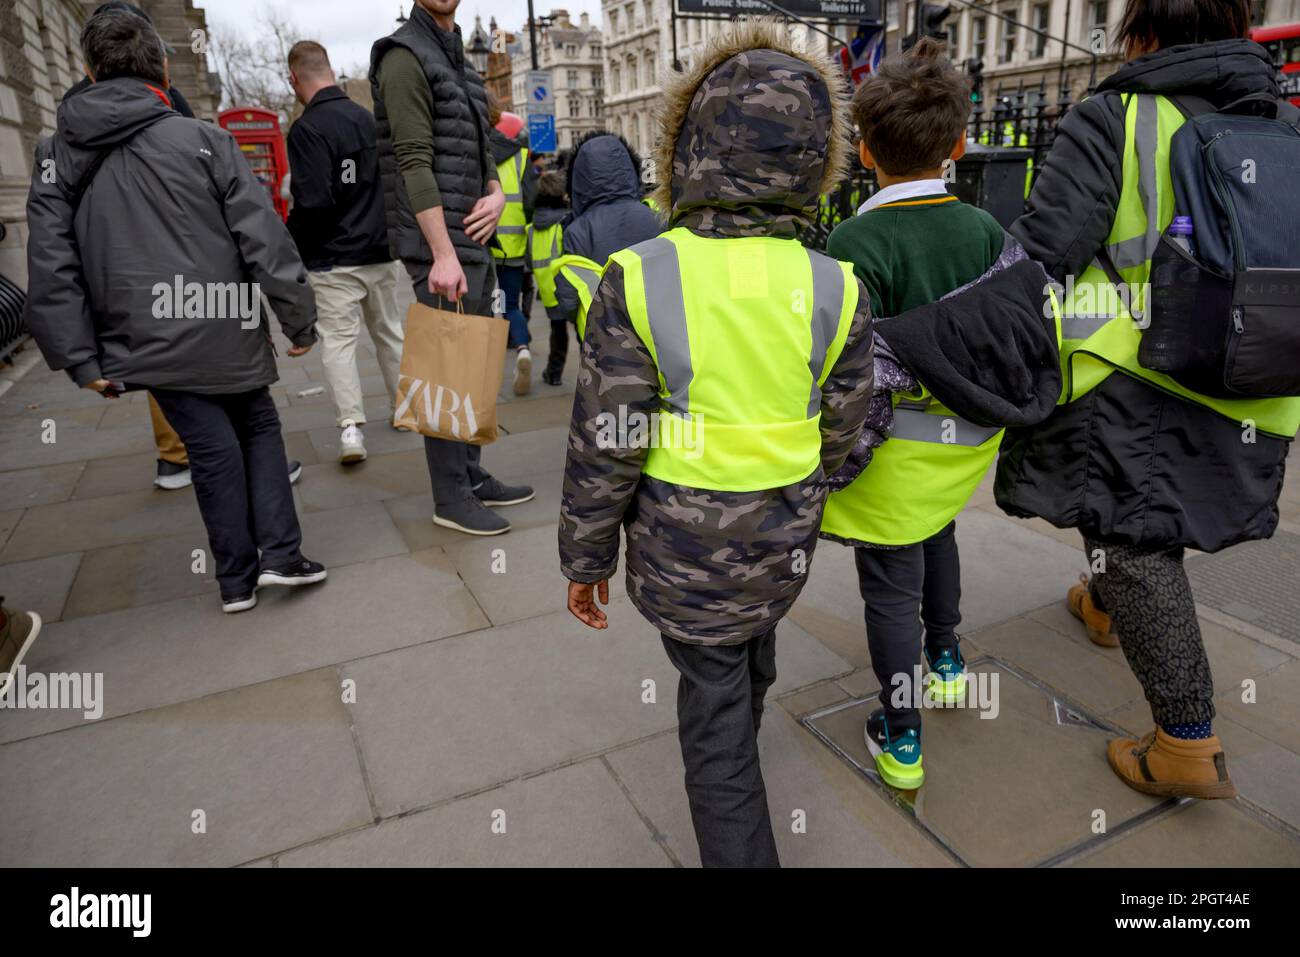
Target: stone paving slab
<point x="1095" y="680"/>
<point x="270" y="765"/>
<point x="1275" y="711"/>
<point x="140" y="573"/>
<point x="517" y="575"/>
<point x="330" y="485"/>
<point x="32" y="421"/>
<point x="121" y="474"/>
<point x="25" y="488"/>
<point x="413" y="514"/>
<point x="42" y="584"/>
<point x="573" y="817"/>
<point x="1199" y="834"/>
<point x="454" y="716"/>
<point x="844" y="823"/>
<point x="1014" y="790"/>
<point x="86" y="524"/>
<point x="143" y="573"/>
<point x="9" y="519"/>
<point x="159" y="655"/>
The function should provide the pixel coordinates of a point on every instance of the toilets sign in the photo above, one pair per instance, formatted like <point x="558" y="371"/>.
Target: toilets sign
<point x="540" y="110"/>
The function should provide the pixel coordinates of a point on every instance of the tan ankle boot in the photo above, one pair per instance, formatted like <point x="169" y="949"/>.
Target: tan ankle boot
<point x="1100" y="629"/>
<point x="1172" y="767"/>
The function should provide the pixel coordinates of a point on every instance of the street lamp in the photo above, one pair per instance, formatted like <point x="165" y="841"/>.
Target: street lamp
<point x="401" y="14"/>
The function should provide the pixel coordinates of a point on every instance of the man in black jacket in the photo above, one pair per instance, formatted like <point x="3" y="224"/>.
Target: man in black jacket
<point x="175" y="307"/>
<point x="339" y="226"/>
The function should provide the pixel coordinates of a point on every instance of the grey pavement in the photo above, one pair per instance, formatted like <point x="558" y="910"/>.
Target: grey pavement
<point x="433" y="704"/>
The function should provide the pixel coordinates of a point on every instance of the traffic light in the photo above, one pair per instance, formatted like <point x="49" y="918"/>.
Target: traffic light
<point x="930" y="20"/>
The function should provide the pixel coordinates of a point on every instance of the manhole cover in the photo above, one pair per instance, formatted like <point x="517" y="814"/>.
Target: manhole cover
<point x="1028" y="785"/>
<point x="1256" y="582"/>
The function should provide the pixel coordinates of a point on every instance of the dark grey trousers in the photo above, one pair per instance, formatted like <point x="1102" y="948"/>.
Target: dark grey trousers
<point x="1149" y="599"/>
<point x="454" y="469"/>
<point x="719" y="708"/>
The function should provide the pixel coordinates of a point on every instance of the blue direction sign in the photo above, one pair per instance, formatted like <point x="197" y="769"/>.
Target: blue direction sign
<point x="541" y="132"/>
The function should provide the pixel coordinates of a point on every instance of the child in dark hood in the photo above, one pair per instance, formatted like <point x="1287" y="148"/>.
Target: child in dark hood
<point x="545" y="242"/>
<point x="608" y="215"/>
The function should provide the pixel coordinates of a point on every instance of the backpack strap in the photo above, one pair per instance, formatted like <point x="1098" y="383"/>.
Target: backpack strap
<point x="87" y="178"/>
<point x="1191" y="105"/>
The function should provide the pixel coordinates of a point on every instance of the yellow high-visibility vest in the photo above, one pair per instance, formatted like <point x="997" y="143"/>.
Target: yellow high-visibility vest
<point x="744" y="331"/>
<point x="584" y="275"/>
<point x="544" y="247"/>
<point x="512" y="225"/>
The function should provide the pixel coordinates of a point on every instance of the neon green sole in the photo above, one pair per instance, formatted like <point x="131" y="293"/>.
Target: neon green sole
<point x="905" y="777"/>
<point x="949" y="692"/>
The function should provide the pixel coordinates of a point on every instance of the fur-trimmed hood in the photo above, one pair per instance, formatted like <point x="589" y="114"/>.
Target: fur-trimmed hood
<point x="757" y="128"/>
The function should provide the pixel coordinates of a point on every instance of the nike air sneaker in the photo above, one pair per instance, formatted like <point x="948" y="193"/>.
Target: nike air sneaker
<point x="898" y="756"/>
<point x="945" y="683"/>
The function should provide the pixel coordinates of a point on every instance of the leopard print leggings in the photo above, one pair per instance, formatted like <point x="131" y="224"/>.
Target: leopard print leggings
<point x="1150" y="602"/>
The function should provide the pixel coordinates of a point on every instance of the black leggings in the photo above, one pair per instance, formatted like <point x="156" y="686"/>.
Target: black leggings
<point x="1149" y="599"/>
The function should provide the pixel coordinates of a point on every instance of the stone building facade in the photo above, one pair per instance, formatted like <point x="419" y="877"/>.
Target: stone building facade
<point x="573" y="52"/>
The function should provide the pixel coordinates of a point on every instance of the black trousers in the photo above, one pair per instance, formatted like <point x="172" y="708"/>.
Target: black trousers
<point x="903" y="587"/>
<point x="241" y="481"/>
<point x="719" y="708"/>
<point x="559" y="345"/>
<point x="454" y="469"/>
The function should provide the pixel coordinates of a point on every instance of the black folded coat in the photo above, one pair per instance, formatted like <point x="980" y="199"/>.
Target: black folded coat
<point x="987" y="350"/>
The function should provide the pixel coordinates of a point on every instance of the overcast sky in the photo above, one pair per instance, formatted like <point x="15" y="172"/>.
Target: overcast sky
<point x="348" y="27"/>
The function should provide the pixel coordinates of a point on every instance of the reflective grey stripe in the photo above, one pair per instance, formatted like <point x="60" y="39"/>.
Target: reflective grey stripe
<point x="541" y="263"/>
<point x="1146" y="132"/>
<point x="828" y="300"/>
<point x="514" y="197"/>
<point x="590" y="278"/>
<point x="1082" y="326"/>
<point x="917" y="425"/>
<point x="665" y="307"/>
<point x="511" y="230"/>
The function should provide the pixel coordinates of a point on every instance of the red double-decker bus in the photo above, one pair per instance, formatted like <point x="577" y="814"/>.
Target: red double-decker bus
<point x="1283" y="45"/>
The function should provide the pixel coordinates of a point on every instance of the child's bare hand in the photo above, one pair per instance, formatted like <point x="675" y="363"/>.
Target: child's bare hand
<point x="582" y="603"/>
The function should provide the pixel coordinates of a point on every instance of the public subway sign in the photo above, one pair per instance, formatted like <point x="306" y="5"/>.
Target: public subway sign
<point x="855" y="10"/>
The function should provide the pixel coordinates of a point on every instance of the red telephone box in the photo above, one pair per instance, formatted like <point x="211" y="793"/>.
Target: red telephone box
<point x="258" y="134"/>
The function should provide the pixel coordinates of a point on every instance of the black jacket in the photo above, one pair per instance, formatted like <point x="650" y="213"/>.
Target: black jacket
<point x="338" y="196"/>
<point x="174" y="197"/>
<point x="608" y="215"/>
<point x="1128" y="462"/>
<point x="460" y="131"/>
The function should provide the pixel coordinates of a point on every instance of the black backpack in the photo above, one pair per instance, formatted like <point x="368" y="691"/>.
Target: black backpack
<point x="1224" y="320"/>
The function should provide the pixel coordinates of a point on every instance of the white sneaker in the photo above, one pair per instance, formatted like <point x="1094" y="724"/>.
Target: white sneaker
<point x="523" y="371"/>
<point x="351" y="447"/>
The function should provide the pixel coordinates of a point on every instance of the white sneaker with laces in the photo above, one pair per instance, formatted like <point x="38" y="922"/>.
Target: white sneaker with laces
<point x="523" y="371"/>
<point x="351" y="446"/>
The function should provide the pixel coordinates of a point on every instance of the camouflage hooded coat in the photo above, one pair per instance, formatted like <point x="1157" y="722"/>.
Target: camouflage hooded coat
<point x="748" y="140"/>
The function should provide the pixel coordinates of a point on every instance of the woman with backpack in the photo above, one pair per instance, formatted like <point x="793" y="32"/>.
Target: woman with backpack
<point x="1140" y="463"/>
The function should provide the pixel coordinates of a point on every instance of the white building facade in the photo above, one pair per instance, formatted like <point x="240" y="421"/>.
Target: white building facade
<point x="574" y="53"/>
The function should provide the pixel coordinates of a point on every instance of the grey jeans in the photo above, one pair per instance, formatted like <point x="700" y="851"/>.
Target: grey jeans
<point x="454" y="469"/>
